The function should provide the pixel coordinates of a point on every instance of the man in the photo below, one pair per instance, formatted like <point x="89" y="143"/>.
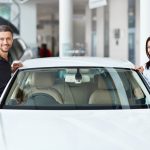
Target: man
<point x="6" y="40"/>
<point x="44" y="51"/>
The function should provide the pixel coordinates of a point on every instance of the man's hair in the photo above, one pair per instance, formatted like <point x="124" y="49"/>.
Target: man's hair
<point x="6" y="28"/>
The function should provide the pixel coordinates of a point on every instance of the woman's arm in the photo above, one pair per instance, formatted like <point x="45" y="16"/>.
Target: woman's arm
<point x="140" y="69"/>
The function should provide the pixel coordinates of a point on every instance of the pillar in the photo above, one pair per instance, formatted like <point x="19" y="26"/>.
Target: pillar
<point x="88" y="31"/>
<point x="65" y="28"/>
<point x="100" y="32"/>
<point x="118" y="31"/>
<point x="28" y="23"/>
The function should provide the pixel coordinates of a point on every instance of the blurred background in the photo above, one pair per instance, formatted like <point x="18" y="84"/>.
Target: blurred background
<point x="103" y="28"/>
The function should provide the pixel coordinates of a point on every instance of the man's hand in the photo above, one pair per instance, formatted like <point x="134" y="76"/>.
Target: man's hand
<point x="140" y="69"/>
<point x="15" y="65"/>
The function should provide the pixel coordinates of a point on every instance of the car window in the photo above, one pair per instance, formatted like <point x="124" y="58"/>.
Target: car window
<point x="78" y="88"/>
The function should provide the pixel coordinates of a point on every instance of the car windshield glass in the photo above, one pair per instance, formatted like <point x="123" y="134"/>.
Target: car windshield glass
<point x="77" y="87"/>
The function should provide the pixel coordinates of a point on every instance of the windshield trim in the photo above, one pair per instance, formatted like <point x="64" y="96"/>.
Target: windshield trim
<point x="82" y="107"/>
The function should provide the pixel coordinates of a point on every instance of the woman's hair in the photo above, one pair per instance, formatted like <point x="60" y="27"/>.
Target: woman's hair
<point x="6" y="28"/>
<point x="147" y="53"/>
<point x="148" y="64"/>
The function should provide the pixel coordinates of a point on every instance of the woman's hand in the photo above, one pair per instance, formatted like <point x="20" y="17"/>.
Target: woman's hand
<point x="140" y="69"/>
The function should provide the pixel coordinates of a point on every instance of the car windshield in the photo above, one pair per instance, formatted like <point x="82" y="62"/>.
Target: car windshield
<point x="78" y="87"/>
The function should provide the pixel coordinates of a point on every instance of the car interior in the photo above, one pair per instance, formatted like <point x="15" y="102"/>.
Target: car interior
<point x="77" y="87"/>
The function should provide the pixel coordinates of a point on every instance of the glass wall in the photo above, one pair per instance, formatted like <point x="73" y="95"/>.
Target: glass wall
<point x="106" y="30"/>
<point x="131" y="31"/>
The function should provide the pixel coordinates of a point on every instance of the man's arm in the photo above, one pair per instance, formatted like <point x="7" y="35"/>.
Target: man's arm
<point x="15" y="65"/>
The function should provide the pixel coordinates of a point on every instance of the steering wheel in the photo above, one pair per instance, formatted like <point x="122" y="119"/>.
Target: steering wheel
<point x="41" y="99"/>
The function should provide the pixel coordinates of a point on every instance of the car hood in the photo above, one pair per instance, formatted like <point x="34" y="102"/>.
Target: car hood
<point x="74" y="129"/>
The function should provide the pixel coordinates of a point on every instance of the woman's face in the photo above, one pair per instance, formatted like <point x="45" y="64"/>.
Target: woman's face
<point x="148" y="47"/>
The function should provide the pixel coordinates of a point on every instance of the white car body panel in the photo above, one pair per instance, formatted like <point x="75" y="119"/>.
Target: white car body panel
<point x="74" y="130"/>
<point x="76" y="61"/>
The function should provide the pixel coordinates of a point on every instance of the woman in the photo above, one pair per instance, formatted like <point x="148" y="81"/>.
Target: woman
<point x="145" y="69"/>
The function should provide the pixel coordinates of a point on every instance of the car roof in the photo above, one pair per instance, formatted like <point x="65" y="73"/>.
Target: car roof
<point x="76" y="62"/>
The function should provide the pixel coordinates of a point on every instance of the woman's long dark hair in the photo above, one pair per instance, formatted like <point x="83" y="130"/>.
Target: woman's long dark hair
<point x="148" y="64"/>
<point x="147" y="53"/>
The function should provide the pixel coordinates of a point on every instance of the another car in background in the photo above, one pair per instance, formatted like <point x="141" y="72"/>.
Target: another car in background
<point x="75" y="103"/>
<point x="19" y="50"/>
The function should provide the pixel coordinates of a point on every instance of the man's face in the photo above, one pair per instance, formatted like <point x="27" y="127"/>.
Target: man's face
<point x="6" y="40"/>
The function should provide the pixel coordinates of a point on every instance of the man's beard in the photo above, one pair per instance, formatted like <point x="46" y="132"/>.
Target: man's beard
<point x="4" y="50"/>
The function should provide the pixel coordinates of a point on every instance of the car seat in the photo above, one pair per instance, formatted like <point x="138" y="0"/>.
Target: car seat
<point x="104" y="94"/>
<point x="42" y="82"/>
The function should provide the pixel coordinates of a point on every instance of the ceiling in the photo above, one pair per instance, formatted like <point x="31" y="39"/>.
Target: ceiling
<point x="56" y="1"/>
<point x="46" y="7"/>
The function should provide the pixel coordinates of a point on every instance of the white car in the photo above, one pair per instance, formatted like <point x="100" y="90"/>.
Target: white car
<point x="75" y="103"/>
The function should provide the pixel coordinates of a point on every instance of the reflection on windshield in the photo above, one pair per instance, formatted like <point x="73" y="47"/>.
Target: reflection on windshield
<point x="78" y="87"/>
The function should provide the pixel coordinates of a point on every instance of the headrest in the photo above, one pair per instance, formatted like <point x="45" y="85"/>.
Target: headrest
<point x="105" y="83"/>
<point x="43" y="79"/>
<point x="101" y="83"/>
